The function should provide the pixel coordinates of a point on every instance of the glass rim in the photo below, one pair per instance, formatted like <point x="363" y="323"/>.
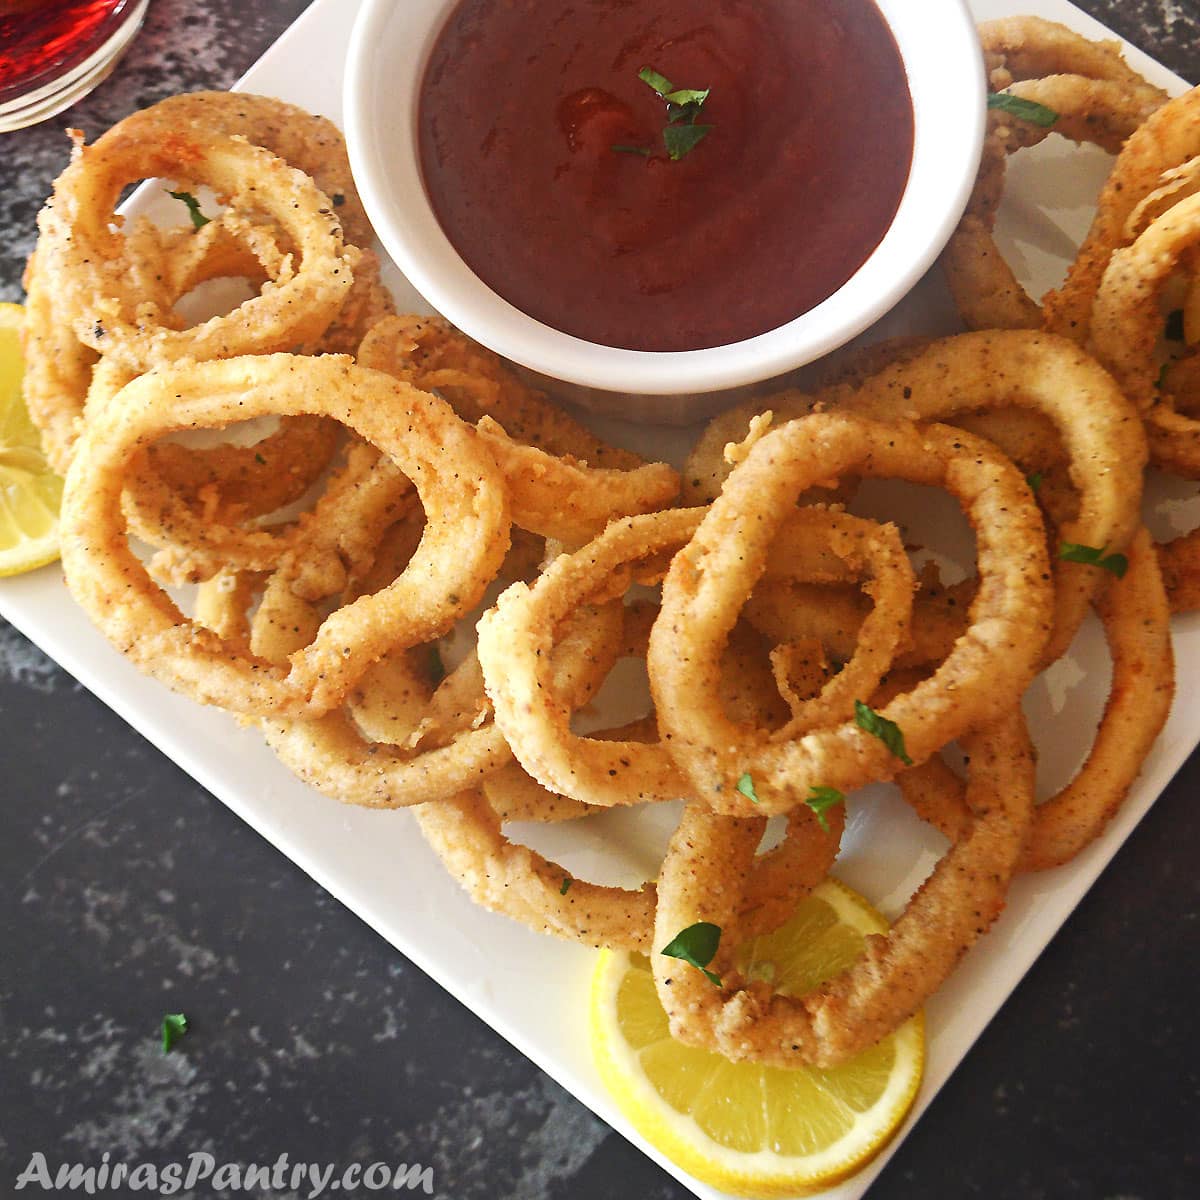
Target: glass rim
<point x="74" y="63"/>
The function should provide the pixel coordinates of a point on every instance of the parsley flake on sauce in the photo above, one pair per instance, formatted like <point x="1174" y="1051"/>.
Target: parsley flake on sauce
<point x="681" y="134"/>
<point x="660" y="83"/>
<point x="697" y="945"/>
<point x="681" y="140"/>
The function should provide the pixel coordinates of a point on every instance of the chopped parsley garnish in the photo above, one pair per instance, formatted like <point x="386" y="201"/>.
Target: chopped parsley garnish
<point x="821" y="800"/>
<point x="1116" y="564"/>
<point x="680" y="98"/>
<point x="1026" y="110"/>
<point x="199" y="220"/>
<point x="888" y="732"/>
<point x="660" y="83"/>
<point x="338" y="199"/>
<point x="697" y="945"/>
<point x="174" y="1026"/>
<point x="1035" y="481"/>
<point x="745" y="785"/>
<point x="683" y="139"/>
<point x="566" y="885"/>
<point x="681" y="135"/>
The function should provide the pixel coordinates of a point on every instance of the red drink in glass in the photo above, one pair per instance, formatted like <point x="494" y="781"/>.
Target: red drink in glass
<point x="52" y="46"/>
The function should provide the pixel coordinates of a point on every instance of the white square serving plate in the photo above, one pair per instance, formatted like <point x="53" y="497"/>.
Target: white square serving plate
<point x="533" y="989"/>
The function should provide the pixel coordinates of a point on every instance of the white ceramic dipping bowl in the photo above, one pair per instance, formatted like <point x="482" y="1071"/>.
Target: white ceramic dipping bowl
<point x="390" y="46"/>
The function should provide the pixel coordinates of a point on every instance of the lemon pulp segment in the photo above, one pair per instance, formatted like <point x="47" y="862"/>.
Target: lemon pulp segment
<point x="30" y="493"/>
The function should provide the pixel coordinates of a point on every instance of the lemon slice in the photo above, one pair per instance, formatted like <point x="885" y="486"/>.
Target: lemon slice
<point x="30" y="493"/>
<point x="744" y="1128"/>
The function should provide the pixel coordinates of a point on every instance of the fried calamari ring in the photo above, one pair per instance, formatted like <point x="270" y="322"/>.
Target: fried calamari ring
<point x="787" y="610"/>
<point x="464" y="540"/>
<point x="703" y="876"/>
<point x="1099" y="430"/>
<point x="512" y="879"/>
<point x="367" y="303"/>
<point x="465" y="832"/>
<point x="563" y="482"/>
<point x="1126" y="319"/>
<point x="1026" y="435"/>
<point x="58" y="370"/>
<point x="1127" y="324"/>
<point x="202" y="540"/>
<point x="1095" y="96"/>
<point x="1136" y="619"/>
<point x="515" y="639"/>
<point x="460" y="826"/>
<point x="985" y="289"/>
<point x="398" y="741"/>
<point x="516" y="636"/>
<point x="229" y="246"/>
<point x="1030" y="47"/>
<point x="303" y="140"/>
<point x="516" y="796"/>
<point x="58" y="366"/>
<point x="311" y="144"/>
<point x="710" y="580"/>
<point x="226" y="483"/>
<point x="1167" y="139"/>
<point x="331" y="754"/>
<point x="953" y="379"/>
<point x="1179" y="561"/>
<point x="81" y="250"/>
<point x="248" y="480"/>
<point x="63" y="376"/>
<point x="429" y="353"/>
<point x="707" y="466"/>
<point x="504" y="876"/>
<point x="561" y="498"/>
<point x="815" y="544"/>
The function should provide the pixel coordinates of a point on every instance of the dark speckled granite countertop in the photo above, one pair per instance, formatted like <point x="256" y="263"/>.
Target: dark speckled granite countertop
<point x="126" y="891"/>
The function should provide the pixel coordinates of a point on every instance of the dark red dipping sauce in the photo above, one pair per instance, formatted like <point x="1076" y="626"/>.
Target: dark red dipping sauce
<point x="795" y="184"/>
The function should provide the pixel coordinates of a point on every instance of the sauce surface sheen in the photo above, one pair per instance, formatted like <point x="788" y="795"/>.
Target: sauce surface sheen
<point x="786" y="196"/>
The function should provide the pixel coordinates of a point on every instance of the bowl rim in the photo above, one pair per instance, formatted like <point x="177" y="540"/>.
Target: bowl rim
<point x="389" y="46"/>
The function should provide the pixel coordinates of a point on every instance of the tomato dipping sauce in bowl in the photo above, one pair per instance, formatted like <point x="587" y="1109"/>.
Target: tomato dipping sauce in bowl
<point x="675" y="199"/>
<point x="548" y="159"/>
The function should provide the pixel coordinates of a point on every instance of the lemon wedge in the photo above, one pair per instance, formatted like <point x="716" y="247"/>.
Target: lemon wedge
<point x="30" y="493"/>
<point x="744" y="1128"/>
